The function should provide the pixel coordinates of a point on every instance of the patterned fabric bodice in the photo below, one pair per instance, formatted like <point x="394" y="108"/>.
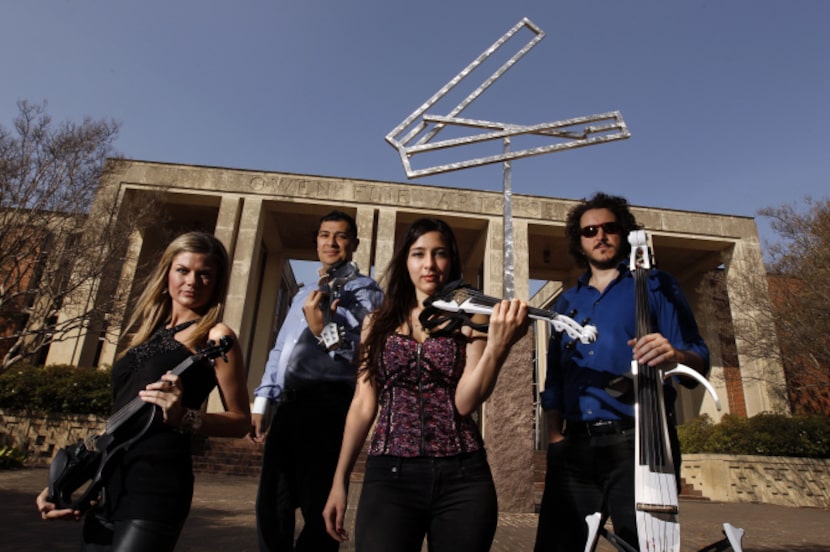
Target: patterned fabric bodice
<point x="416" y="391"/>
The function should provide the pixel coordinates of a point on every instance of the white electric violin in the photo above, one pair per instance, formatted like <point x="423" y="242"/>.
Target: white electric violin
<point x="460" y="301"/>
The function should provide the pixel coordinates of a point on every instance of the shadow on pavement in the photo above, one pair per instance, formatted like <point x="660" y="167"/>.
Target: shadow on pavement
<point x="222" y="518"/>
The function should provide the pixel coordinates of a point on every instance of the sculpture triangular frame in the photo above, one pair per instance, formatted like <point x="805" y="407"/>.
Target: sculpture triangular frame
<point x="415" y="135"/>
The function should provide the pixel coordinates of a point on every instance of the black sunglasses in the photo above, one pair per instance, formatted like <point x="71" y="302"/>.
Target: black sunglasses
<point x="607" y="227"/>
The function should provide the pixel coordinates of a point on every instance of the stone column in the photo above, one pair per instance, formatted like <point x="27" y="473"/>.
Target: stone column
<point x="263" y="332"/>
<point x="521" y="259"/>
<point x="365" y="219"/>
<point x="245" y="267"/>
<point x="227" y="221"/>
<point x="384" y="241"/>
<point x="507" y="416"/>
<point x="494" y="259"/>
<point x="125" y="285"/>
<point x="245" y="264"/>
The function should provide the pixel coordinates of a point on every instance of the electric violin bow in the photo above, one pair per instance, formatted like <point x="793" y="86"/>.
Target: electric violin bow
<point x="460" y="301"/>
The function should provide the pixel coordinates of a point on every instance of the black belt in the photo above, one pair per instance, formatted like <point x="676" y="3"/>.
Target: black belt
<point x="319" y="391"/>
<point x="598" y="427"/>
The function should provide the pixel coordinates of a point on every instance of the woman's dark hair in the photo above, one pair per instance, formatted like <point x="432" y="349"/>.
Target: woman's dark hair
<point x="617" y="205"/>
<point x="400" y="298"/>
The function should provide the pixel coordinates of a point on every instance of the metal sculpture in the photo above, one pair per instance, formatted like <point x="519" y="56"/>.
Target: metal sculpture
<point x="417" y="134"/>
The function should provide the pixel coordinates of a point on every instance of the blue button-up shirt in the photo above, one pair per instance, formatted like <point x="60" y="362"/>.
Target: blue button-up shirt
<point x="583" y="380"/>
<point x="358" y="297"/>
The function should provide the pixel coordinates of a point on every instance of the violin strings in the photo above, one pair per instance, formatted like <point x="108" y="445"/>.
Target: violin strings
<point x="649" y="382"/>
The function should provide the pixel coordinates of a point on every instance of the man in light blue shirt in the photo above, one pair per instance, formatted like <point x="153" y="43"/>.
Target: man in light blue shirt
<point x="309" y="381"/>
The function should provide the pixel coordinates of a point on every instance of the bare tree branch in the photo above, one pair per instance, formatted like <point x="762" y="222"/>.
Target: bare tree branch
<point x="798" y="284"/>
<point x="55" y="255"/>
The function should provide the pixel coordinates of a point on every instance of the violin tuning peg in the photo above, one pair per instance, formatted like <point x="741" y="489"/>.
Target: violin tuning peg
<point x="571" y="314"/>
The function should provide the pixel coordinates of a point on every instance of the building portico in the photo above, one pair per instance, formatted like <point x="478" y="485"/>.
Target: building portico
<point x="266" y="219"/>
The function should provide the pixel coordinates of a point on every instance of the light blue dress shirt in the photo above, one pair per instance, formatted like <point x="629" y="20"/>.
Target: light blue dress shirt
<point x="358" y="297"/>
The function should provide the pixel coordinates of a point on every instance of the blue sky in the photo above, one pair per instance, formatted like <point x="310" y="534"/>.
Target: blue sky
<point x="727" y="101"/>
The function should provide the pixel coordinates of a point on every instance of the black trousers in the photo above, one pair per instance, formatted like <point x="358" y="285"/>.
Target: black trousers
<point x="298" y="464"/>
<point x="451" y="501"/>
<point x="586" y="475"/>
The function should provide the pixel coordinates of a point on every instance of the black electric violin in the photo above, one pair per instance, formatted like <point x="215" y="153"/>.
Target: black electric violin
<point x="78" y="471"/>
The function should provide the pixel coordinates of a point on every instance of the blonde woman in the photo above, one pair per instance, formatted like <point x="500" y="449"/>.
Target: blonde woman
<point x="149" y="487"/>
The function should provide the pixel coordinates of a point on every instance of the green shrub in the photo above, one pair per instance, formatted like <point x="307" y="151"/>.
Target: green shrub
<point x="764" y="435"/>
<point x="11" y="457"/>
<point x="57" y="388"/>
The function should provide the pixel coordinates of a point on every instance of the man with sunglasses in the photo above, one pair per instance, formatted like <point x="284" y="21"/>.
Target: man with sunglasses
<point x="588" y="396"/>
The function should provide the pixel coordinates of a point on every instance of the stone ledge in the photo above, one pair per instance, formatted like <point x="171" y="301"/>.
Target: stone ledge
<point x="802" y="482"/>
<point x="40" y="435"/>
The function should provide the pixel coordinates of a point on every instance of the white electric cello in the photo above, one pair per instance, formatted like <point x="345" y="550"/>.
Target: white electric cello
<point x="655" y="486"/>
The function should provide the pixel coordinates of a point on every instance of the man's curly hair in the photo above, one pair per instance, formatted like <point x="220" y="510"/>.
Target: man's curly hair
<point x="617" y="205"/>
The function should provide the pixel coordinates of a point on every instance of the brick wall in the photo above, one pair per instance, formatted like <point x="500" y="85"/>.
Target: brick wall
<point x="226" y="456"/>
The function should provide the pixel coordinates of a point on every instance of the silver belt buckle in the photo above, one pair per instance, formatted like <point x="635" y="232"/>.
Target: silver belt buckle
<point x="597" y="425"/>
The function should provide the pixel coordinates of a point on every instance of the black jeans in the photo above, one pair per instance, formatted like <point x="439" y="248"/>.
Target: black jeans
<point x="451" y="501"/>
<point x="586" y="475"/>
<point x="298" y="465"/>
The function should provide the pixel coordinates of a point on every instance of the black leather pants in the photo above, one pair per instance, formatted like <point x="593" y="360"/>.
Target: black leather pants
<point x="131" y="535"/>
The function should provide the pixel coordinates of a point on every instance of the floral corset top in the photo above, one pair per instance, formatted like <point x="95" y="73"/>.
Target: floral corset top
<point x="416" y="391"/>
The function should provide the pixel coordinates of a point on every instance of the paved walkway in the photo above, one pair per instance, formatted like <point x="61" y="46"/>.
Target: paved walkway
<point x="222" y="518"/>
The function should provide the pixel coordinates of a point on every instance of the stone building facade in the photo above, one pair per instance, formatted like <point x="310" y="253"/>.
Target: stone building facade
<point x="266" y="219"/>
